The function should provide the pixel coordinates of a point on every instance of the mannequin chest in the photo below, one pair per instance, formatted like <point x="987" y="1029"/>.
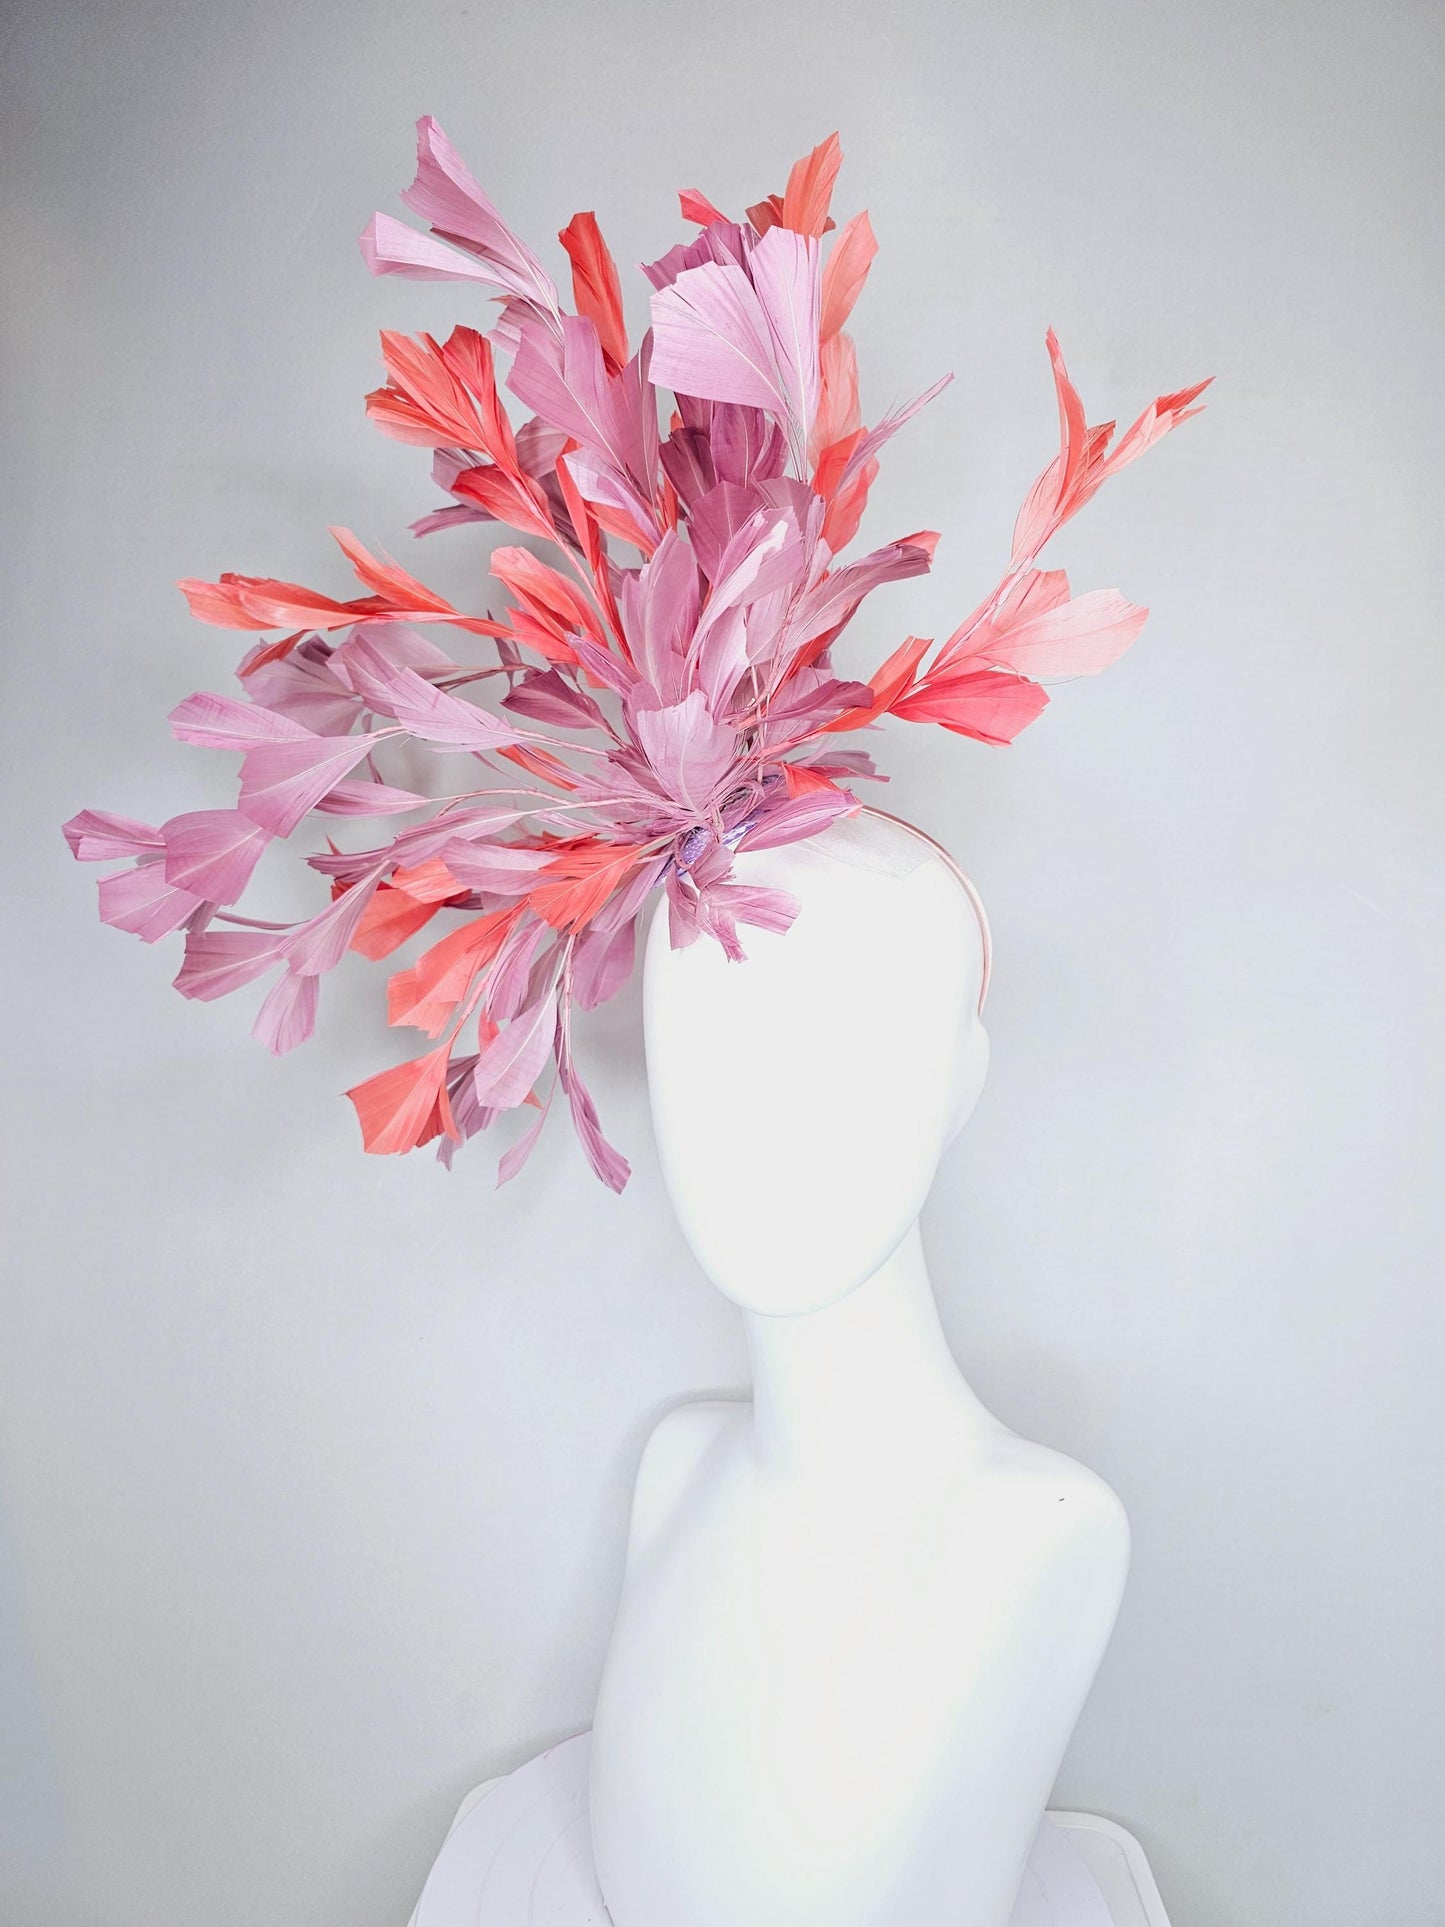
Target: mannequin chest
<point x="823" y="1668"/>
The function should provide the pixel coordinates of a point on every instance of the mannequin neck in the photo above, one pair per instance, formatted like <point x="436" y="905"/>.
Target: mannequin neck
<point x="867" y="1384"/>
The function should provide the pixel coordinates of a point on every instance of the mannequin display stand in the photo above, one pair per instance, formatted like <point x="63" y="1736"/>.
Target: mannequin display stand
<point x="519" y="1854"/>
<point x="859" y="1615"/>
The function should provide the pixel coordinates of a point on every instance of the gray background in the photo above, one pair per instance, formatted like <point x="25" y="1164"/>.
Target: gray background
<point x="314" y="1470"/>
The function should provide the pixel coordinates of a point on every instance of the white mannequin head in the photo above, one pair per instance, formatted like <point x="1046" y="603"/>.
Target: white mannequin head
<point x="802" y="1099"/>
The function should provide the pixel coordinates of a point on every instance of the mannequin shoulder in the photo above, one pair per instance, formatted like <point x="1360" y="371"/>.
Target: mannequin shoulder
<point x="1074" y="1502"/>
<point x="675" y="1451"/>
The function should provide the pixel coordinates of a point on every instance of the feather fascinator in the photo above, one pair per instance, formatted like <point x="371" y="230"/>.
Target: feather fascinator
<point x="659" y="690"/>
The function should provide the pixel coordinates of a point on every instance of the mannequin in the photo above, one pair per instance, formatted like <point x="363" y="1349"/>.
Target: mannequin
<point x="859" y="1617"/>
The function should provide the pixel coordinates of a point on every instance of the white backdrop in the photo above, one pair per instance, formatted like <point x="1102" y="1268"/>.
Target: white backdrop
<point x="314" y="1469"/>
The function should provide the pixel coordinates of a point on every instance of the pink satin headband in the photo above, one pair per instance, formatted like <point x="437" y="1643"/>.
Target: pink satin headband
<point x="968" y="886"/>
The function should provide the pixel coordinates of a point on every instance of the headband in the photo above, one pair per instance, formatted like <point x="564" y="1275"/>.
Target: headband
<point x="964" y="882"/>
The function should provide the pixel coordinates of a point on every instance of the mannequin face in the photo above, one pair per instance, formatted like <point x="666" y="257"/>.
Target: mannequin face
<point x="802" y="1099"/>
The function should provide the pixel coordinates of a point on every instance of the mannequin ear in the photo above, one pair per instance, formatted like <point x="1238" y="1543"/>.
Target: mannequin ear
<point x="973" y="1059"/>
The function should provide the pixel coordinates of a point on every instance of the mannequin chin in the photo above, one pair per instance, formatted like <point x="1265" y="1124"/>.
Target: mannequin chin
<point x="803" y="1098"/>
